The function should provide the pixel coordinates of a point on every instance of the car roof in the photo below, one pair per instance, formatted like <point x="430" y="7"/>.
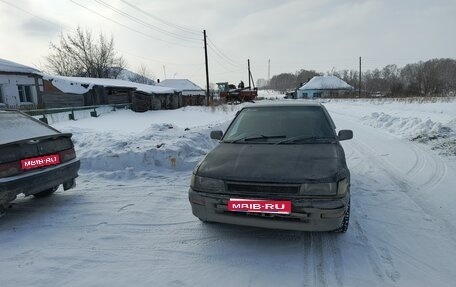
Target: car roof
<point x="294" y="103"/>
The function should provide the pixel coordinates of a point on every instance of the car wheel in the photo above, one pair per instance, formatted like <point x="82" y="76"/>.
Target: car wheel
<point x="344" y="227"/>
<point x="46" y="192"/>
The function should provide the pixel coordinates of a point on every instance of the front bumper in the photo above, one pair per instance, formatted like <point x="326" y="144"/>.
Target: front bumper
<point x="36" y="181"/>
<point x="306" y="215"/>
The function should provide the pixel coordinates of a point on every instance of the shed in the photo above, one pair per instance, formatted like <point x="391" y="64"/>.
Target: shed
<point x="324" y="87"/>
<point x="78" y="91"/>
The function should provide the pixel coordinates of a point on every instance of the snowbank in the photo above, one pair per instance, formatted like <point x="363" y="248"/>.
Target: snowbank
<point x="128" y="145"/>
<point x="441" y="136"/>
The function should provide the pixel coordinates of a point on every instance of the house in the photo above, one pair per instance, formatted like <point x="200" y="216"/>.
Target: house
<point x="60" y="91"/>
<point x="20" y="86"/>
<point x="192" y="94"/>
<point x="324" y="87"/>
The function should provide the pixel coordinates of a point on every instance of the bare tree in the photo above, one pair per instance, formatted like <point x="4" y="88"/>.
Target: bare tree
<point x="142" y="76"/>
<point x="82" y="54"/>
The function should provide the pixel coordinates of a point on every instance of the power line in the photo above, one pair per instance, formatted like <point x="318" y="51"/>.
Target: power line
<point x="220" y="52"/>
<point x="184" y="29"/>
<point x="128" y="27"/>
<point x="156" y="60"/>
<point x="36" y="16"/>
<point x="220" y="63"/>
<point x="146" y="24"/>
<point x="222" y="58"/>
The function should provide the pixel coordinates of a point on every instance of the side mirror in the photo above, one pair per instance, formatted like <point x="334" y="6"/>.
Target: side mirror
<point x="345" y="135"/>
<point x="216" y="135"/>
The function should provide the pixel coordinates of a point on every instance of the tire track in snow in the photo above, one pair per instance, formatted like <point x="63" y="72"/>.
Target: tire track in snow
<point x="336" y="256"/>
<point x="318" y="256"/>
<point x="307" y="259"/>
<point x="371" y="252"/>
<point x="407" y="187"/>
<point x="419" y="163"/>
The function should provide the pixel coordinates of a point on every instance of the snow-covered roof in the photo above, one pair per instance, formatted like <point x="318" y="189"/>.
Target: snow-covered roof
<point x="12" y="67"/>
<point x="81" y="85"/>
<point x="326" y="83"/>
<point x="180" y="84"/>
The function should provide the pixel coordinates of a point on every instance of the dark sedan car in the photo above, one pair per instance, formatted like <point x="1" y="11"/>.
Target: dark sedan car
<point x="35" y="159"/>
<point x="277" y="166"/>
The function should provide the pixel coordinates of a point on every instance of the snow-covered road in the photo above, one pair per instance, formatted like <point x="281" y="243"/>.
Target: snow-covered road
<point x="140" y="231"/>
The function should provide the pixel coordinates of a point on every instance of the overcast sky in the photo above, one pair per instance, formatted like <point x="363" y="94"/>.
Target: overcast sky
<point x="318" y="34"/>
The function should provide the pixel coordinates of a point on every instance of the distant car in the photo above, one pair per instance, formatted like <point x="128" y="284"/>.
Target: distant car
<point x="277" y="166"/>
<point x="34" y="158"/>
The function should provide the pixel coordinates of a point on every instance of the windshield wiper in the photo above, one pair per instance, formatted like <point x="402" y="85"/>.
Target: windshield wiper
<point x="256" y="137"/>
<point x="304" y="139"/>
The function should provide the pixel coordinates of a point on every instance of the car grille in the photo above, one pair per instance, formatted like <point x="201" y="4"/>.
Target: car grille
<point x="262" y="188"/>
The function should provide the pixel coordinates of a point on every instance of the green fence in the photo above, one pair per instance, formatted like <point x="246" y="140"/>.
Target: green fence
<point x="71" y="110"/>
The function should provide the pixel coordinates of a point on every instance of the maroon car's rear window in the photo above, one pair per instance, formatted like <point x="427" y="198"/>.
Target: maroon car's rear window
<point x="15" y="126"/>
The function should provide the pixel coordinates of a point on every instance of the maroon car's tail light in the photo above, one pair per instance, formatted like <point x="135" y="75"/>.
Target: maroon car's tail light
<point x="66" y="155"/>
<point x="10" y="168"/>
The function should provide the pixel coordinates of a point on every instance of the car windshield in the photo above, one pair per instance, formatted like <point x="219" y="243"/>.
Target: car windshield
<point x="282" y="124"/>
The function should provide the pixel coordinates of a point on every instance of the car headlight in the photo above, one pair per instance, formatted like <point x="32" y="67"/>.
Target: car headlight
<point x="329" y="188"/>
<point x="342" y="186"/>
<point x="207" y="184"/>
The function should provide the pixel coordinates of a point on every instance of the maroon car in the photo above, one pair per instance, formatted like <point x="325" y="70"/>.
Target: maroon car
<point x="35" y="159"/>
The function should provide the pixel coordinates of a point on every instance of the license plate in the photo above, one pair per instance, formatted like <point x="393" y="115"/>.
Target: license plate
<point x="261" y="206"/>
<point x="36" y="162"/>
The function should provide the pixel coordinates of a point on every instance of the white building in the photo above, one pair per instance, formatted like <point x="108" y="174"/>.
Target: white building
<point x="323" y="87"/>
<point x="20" y="86"/>
<point x="187" y="87"/>
<point x="192" y="94"/>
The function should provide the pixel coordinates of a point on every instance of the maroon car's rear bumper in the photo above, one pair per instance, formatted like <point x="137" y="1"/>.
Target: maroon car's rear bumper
<point x="39" y="180"/>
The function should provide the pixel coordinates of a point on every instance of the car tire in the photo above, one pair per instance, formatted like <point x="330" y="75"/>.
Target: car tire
<point x="344" y="227"/>
<point x="45" y="193"/>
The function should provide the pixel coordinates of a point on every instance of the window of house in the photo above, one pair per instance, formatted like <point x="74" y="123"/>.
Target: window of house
<point x="2" y="100"/>
<point x="25" y="93"/>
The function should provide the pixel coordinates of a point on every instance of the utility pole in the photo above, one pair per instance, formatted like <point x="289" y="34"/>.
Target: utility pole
<point x="207" y="69"/>
<point x="359" y="89"/>
<point x="269" y="69"/>
<point x="248" y="67"/>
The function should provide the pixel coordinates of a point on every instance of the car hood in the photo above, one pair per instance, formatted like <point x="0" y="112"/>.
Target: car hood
<point x="285" y="163"/>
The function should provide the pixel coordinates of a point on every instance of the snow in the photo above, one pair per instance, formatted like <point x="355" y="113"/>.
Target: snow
<point x="128" y="222"/>
<point x="326" y="83"/>
<point x="270" y="95"/>
<point x="431" y="123"/>
<point x="12" y="67"/>
<point x="81" y="85"/>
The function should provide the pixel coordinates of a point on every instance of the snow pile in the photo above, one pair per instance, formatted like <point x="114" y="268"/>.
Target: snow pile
<point x="441" y="136"/>
<point x="160" y="147"/>
<point x="128" y="145"/>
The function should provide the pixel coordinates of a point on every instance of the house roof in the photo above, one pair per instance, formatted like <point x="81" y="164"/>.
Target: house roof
<point x="180" y="84"/>
<point x="81" y="85"/>
<point x="12" y="67"/>
<point x="326" y="83"/>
